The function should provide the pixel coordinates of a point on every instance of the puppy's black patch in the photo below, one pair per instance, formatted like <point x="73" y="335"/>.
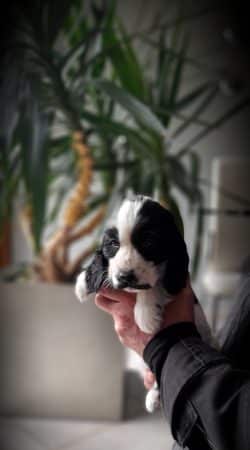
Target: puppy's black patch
<point x="97" y="271"/>
<point x="110" y="243"/>
<point x="157" y="238"/>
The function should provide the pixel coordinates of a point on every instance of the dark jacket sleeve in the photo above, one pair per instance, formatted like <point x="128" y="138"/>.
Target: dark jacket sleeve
<point x="205" y="399"/>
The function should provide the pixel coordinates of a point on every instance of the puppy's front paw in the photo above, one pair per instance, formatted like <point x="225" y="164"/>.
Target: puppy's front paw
<point x="81" y="289"/>
<point x="152" y="401"/>
<point x="148" y="318"/>
<point x="149" y="325"/>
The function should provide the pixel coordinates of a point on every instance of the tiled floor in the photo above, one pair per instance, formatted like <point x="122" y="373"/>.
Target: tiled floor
<point x="141" y="433"/>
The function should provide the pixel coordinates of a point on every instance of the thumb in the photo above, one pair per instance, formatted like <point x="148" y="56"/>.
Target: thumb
<point x="104" y="303"/>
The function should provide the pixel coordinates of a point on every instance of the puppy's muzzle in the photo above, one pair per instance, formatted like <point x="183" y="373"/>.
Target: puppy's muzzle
<point x="127" y="279"/>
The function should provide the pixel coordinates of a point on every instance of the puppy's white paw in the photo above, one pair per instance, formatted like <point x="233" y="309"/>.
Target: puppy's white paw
<point x="152" y="401"/>
<point x="81" y="287"/>
<point x="147" y="318"/>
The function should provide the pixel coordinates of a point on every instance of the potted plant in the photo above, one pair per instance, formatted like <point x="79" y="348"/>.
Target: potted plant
<point x="79" y="105"/>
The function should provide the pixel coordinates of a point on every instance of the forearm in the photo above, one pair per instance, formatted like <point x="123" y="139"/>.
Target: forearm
<point x="203" y="397"/>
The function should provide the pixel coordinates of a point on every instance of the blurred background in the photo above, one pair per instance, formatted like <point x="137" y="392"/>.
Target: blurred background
<point x="98" y="99"/>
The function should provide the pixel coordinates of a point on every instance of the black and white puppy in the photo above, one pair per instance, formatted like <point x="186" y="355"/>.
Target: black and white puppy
<point x="144" y="253"/>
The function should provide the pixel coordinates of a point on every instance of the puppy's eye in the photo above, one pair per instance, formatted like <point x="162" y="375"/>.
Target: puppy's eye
<point x="114" y="243"/>
<point x="110" y="243"/>
<point x="110" y="248"/>
<point x="113" y="247"/>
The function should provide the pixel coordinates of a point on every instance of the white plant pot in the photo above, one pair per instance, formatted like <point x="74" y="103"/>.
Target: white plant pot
<point x="59" y="358"/>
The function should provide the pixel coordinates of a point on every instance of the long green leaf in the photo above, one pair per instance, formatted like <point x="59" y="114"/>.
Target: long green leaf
<point x="163" y="73"/>
<point x="189" y="98"/>
<point x="141" y="112"/>
<point x="177" y="75"/>
<point x="133" y="64"/>
<point x="182" y="180"/>
<point x="115" y="128"/>
<point x="123" y="58"/>
<point x="34" y="128"/>
<point x="82" y="47"/>
<point x="245" y="103"/>
<point x="197" y="111"/>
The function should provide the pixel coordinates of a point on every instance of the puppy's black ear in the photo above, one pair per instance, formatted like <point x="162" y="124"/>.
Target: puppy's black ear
<point x="96" y="272"/>
<point x="176" y="266"/>
<point x="176" y="272"/>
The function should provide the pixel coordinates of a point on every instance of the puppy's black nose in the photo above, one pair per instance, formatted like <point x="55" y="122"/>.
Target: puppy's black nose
<point x="126" y="278"/>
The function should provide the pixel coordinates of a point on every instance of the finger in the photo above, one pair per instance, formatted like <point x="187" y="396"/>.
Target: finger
<point x="118" y="295"/>
<point x="104" y="303"/>
<point x="149" y="379"/>
<point x="123" y="324"/>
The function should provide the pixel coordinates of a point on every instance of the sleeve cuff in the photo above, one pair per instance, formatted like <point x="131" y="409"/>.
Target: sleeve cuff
<point x="156" y="351"/>
<point x="186" y="362"/>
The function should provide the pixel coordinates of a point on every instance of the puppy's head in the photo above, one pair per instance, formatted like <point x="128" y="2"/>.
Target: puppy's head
<point x="145" y="248"/>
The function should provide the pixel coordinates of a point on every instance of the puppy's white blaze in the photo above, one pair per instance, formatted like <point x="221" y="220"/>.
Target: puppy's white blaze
<point x="127" y="217"/>
<point x="81" y="287"/>
<point x="127" y="258"/>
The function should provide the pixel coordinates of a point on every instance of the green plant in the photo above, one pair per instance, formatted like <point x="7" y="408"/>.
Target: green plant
<point x="46" y="61"/>
<point x="67" y="75"/>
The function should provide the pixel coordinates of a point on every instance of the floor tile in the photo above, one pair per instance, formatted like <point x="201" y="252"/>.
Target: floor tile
<point x="14" y="437"/>
<point x="141" y="434"/>
<point x="49" y="434"/>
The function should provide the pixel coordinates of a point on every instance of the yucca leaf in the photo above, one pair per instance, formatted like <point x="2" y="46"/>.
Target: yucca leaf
<point x="54" y="211"/>
<point x="207" y="100"/>
<point x="181" y="179"/>
<point x="33" y="131"/>
<point x="105" y="124"/>
<point x="189" y="98"/>
<point x="181" y="117"/>
<point x="9" y="179"/>
<point x="161" y="57"/>
<point x="80" y="49"/>
<point x="240" y="106"/>
<point x="123" y="58"/>
<point x="133" y="64"/>
<point x="177" y="75"/>
<point x="141" y="112"/>
<point x="11" y="91"/>
<point x="163" y="72"/>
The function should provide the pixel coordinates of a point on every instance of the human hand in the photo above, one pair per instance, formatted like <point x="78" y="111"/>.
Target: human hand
<point x="120" y="305"/>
